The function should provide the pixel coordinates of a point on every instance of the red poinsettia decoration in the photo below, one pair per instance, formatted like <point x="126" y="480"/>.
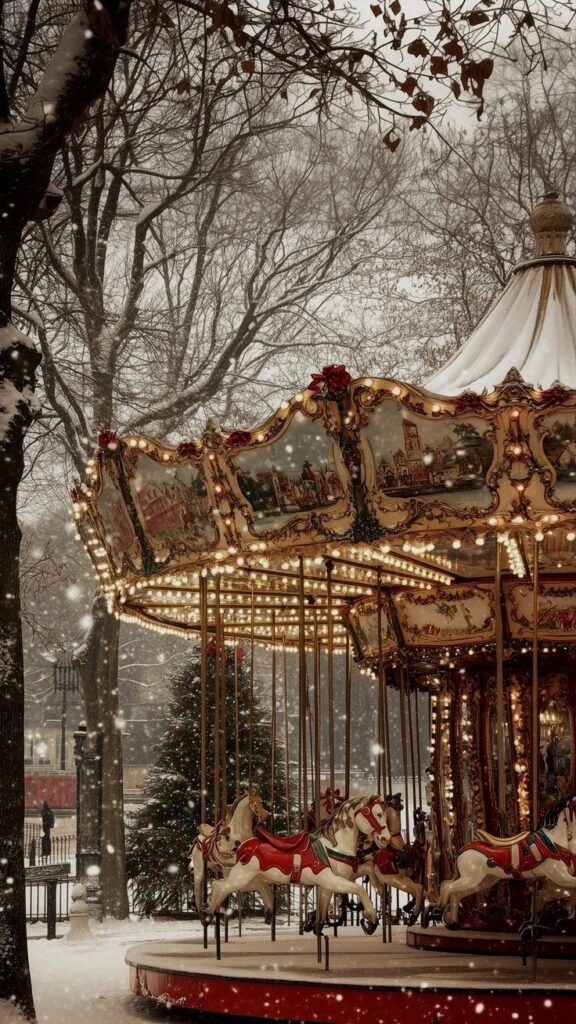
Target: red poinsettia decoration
<point x="109" y="439"/>
<point x="188" y="449"/>
<point x="332" y="382"/>
<point x="470" y="402"/>
<point x="555" y="396"/>
<point x="236" y="437"/>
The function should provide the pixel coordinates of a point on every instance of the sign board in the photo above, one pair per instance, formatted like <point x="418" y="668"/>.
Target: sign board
<point x="47" y="872"/>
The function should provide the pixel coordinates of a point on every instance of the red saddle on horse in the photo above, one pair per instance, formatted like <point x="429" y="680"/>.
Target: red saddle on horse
<point x="288" y="854"/>
<point x="386" y="861"/>
<point x="521" y="857"/>
<point x="294" y="844"/>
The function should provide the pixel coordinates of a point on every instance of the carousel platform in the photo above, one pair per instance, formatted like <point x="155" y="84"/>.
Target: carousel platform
<point x="367" y="981"/>
<point x="555" y="947"/>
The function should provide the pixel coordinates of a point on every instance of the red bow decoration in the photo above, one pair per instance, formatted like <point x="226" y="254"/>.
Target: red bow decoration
<point x="109" y="439"/>
<point x="333" y="380"/>
<point x="188" y="449"/>
<point x="236" y="437"/>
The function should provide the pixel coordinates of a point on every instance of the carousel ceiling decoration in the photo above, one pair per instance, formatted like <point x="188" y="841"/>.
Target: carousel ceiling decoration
<point x="358" y="500"/>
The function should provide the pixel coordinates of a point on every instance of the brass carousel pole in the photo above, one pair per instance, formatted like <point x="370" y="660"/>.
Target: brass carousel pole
<point x="535" y="707"/>
<point x="303" y="787"/>
<point x="381" y="762"/>
<point x="221" y="655"/>
<point x="273" y="720"/>
<point x="203" y="585"/>
<point x="286" y="754"/>
<point x="302" y="703"/>
<point x="331" y="719"/>
<point x="418" y="745"/>
<point x="411" y="741"/>
<point x="236" y="724"/>
<point x="387" y="777"/>
<point x="286" y="731"/>
<point x="217" y="725"/>
<point x="251" y="708"/>
<point x="317" y="724"/>
<point x="348" y="709"/>
<point x="404" y="747"/>
<point x="500" y="705"/>
<point x="535" y="746"/>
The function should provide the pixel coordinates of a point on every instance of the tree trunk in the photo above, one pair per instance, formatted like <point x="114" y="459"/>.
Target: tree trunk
<point x="98" y="664"/>
<point x="17" y="365"/>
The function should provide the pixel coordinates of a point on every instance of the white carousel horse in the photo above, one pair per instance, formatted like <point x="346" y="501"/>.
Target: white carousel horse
<point x="548" y="853"/>
<point x="388" y="866"/>
<point x="214" y="849"/>
<point x="325" y="858"/>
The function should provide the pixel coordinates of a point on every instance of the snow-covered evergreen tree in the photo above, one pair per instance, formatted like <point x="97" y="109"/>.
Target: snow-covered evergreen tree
<point x="161" y="832"/>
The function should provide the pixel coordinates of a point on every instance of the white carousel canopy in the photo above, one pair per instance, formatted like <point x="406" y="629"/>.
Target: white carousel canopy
<point x="531" y="325"/>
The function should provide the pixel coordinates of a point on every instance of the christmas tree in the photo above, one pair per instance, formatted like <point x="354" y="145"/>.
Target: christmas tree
<point x="161" y="832"/>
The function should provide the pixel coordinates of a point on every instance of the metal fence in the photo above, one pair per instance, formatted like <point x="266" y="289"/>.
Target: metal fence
<point x="36" y="901"/>
<point x="62" y="848"/>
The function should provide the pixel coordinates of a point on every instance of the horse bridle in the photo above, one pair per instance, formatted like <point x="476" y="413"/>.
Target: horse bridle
<point x="212" y="841"/>
<point x="366" y="811"/>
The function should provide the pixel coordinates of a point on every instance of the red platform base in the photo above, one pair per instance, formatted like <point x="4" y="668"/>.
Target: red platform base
<point x="555" y="947"/>
<point x="369" y="982"/>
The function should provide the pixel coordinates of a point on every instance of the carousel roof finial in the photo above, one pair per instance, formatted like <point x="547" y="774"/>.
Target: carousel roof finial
<point x="531" y="324"/>
<point x="551" y="220"/>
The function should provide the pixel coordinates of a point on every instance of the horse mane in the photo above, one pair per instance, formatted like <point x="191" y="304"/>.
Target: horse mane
<point x="554" y="812"/>
<point x="232" y="807"/>
<point x="341" y="816"/>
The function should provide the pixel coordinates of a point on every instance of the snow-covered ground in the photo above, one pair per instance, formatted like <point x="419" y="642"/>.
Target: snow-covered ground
<point x="87" y="982"/>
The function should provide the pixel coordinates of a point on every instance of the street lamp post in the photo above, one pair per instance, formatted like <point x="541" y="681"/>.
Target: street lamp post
<point x="66" y="680"/>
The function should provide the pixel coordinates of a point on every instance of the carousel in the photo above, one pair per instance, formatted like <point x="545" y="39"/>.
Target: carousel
<point x="421" y="542"/>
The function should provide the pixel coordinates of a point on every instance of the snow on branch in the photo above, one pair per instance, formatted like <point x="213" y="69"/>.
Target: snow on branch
<point x="15" y="403"/>
<point x="11" y="337"/>
<point x="74" y="78"/>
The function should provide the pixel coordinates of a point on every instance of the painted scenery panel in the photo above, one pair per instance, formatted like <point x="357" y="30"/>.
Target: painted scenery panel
<point x="173" y="504"/>
<point x="556" y="609"/>
<point x="444" y="459"/>
<point x="119" y="533"/>
<point x="362" y="622"/>
<point x="560" y="449"/>
<point x="455" y="615"/>
<point x="296" y="474"/>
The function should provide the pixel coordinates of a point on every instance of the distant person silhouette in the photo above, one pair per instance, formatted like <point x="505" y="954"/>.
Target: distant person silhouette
<point x="47" y="825"/>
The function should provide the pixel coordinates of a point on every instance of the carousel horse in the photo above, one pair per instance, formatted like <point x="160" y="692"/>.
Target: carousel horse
<point x="549" y="853"/>
<point x="214" y="849"/>
<point x="400" y="866"/>
<point x="325" y="858"/>
<point x="396" y="865"/>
